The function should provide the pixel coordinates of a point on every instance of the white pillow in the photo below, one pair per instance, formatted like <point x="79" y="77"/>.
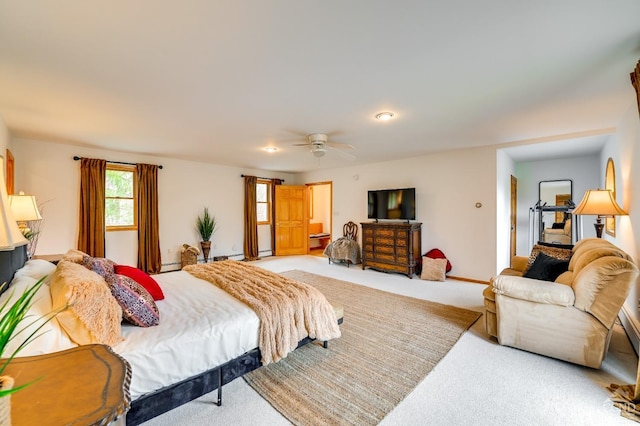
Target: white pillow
<point x="52" y="337"/>
<point x="36" y="268"/>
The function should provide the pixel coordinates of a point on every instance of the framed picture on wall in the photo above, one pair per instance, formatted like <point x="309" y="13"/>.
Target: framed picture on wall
<point x="610" y="183"/>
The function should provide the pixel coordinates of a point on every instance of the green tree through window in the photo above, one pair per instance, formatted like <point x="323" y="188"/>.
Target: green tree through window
<point x="120" y="198"/>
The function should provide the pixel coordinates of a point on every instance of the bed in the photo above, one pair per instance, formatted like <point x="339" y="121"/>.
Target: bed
<point x="205" y="339"/>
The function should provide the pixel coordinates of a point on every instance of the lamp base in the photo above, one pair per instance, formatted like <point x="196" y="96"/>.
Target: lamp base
<point x="599" y="227"/>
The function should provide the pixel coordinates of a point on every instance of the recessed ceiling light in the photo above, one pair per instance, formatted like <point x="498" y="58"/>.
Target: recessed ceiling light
<point x="384" y="116"/>
<point x="271" y="149"/>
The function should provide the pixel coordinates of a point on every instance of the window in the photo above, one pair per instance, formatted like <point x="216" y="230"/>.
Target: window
<point x="121" y="204"/>
<point x="263" y="200"/>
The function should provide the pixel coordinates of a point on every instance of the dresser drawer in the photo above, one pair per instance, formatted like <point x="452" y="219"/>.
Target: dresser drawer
<point x="389" y="257"/>
<point x="401" y="242"/>
<point x="387" y="266"/>
<point x="368" y="231"/>
<point x="384" y="240"/>
<point x="385" y="249"/>
<point x="401" y="251"/>
<point x="368" y="239"/>
<point x="385" y="233"/>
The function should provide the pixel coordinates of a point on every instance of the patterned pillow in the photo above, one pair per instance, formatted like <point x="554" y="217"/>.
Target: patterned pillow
<point x="137" y="304"/>
<point x="433" y="269"/>
<point x="99" y="265"/>
<point x="555" y="251"/>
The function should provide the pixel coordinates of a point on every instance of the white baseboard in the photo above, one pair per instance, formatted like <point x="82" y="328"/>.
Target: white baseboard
<point x="631" y="327"/>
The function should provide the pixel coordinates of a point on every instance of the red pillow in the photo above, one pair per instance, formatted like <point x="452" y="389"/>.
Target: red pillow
<point x="141" y="278"/>
<point x="438" y="254"/>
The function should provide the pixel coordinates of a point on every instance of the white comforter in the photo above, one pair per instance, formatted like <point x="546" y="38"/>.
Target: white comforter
<point x="200" y="328"/>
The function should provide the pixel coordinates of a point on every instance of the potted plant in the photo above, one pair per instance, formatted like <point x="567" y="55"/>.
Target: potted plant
<point x="12" y="316"/>
<point x="206" y="225"/>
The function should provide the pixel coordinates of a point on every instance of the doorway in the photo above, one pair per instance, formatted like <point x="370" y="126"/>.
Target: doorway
<point x="320" y="216"/>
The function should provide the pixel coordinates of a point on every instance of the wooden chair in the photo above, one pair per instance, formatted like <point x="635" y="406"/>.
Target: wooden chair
<point x="346" y="248"/>
<point x="350" y="230"/>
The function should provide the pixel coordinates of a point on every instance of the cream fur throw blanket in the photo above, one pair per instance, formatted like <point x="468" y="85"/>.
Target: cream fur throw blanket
<point x="288" y="310"/>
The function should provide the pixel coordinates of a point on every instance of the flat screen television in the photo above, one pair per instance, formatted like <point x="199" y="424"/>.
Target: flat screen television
<point x="395" y="204"/>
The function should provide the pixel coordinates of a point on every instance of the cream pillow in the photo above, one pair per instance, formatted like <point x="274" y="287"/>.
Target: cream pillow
<point x="433" y="269"/>
<point x="74" y="256"/>
<point x="51" y="337"/>
<point x="93" y="315"/>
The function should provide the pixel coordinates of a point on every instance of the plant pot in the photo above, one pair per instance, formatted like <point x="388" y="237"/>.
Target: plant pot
<point x="206" y="247"/>
<point x="6" y="383"/>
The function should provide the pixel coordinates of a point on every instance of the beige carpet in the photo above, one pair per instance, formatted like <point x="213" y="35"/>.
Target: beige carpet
<point x="389" y="344"/>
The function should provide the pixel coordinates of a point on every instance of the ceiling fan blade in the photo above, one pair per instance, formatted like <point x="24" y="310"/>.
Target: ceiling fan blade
<point x="301" y="144"/>
<point x="340" y="145"/>
<point x="344" y="154"/>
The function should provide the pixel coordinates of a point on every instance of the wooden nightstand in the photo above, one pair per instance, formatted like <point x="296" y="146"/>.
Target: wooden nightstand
<point x="84" y="385"/>
<point x="53" y="258"/>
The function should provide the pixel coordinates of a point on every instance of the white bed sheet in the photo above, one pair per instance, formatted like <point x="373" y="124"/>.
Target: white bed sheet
<point x="201" y="327"/>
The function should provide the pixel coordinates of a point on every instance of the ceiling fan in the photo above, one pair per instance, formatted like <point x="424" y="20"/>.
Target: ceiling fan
<point x="319" y="142"/>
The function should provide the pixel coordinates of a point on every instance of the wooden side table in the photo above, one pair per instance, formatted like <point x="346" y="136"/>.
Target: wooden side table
<point x="53" y="258"/>
<point x="81" y="386"/>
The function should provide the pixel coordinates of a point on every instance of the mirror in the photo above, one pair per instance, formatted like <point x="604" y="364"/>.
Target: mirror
<point x="554" y="207"/>
<point x="610" y="184"/>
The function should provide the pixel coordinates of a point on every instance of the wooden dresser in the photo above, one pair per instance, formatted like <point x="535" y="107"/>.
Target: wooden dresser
<point x="392" y="246"/>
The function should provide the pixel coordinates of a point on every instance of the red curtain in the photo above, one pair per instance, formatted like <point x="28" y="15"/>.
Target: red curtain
<point x="91" y="227"/>
<point x="274" y="183"/>
<point x="635" y="80"/>
<point x="250" y="219"/>
<point x="149" y="256"/>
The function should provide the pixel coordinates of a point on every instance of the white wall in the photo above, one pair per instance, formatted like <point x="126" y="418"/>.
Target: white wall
<point x="624" y="149"/>
<point x="504" y="171"/>
<point x="48" y="171"/>
<point x="583" y="171"/>
<point x="448" y="185"/>
<point x="4" y="137"/>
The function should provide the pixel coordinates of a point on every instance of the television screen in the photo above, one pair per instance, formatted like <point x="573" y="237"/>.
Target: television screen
<point x="398" y="204"/>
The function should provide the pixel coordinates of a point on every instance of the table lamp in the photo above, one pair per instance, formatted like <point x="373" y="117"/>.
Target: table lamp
<point x="599" y="202"/>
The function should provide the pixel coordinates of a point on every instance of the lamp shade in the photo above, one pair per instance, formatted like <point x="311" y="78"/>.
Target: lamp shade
<point x="599" y="202"/>
<point x="10" y="235"/>
<point x="24" y="207"/>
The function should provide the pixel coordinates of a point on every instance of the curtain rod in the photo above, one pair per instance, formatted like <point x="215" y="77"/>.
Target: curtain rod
<point x="263" y="178"/>
<point x="76" y="158"/>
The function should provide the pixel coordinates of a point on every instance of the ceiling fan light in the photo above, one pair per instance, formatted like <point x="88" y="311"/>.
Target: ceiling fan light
<point x="384" y="116"/>
<point x="318" y="150"/>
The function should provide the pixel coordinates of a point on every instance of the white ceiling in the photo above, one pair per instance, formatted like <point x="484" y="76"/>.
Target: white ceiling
<point x="218" y="81"/>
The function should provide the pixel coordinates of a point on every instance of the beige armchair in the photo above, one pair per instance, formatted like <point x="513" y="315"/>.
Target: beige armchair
<point x="558" y="236"/>
<point x="570" y="318"/>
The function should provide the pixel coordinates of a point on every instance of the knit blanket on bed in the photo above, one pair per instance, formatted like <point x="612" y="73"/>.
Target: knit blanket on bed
<point x="288" y="310"/>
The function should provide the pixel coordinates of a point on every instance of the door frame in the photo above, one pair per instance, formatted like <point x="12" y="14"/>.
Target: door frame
<point x="312" y="203"/>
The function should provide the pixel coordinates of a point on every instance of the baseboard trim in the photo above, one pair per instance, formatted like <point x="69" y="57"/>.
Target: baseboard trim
<point x="469" y="280"/>
<point x="630" y="327"/>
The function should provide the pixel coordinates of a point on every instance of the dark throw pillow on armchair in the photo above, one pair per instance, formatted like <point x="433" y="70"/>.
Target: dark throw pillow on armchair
<point x="546" y="268"/>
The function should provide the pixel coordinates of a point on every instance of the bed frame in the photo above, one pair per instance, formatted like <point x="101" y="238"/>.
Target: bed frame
<point x="10" y="262"/>
<point x="170" y="397"/>
<point x="151" y="405"/>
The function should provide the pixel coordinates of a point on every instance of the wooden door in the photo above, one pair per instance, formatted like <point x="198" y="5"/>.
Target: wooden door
<point x="292" y="236"/>
<point x="513" y="213"/>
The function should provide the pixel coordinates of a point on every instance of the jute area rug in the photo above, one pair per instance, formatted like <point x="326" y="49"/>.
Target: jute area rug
<point x="389" y="344"/>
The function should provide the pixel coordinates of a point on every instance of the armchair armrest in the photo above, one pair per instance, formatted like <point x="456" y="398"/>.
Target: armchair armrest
<point x="537" y="291"/>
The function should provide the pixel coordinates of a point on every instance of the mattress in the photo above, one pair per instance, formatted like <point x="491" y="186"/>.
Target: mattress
<point x="201" y="327"/>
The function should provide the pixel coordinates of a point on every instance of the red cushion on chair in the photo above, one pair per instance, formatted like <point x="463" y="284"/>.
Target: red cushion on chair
<point x="141" y="278"/>
<point x="438" y="254"/>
